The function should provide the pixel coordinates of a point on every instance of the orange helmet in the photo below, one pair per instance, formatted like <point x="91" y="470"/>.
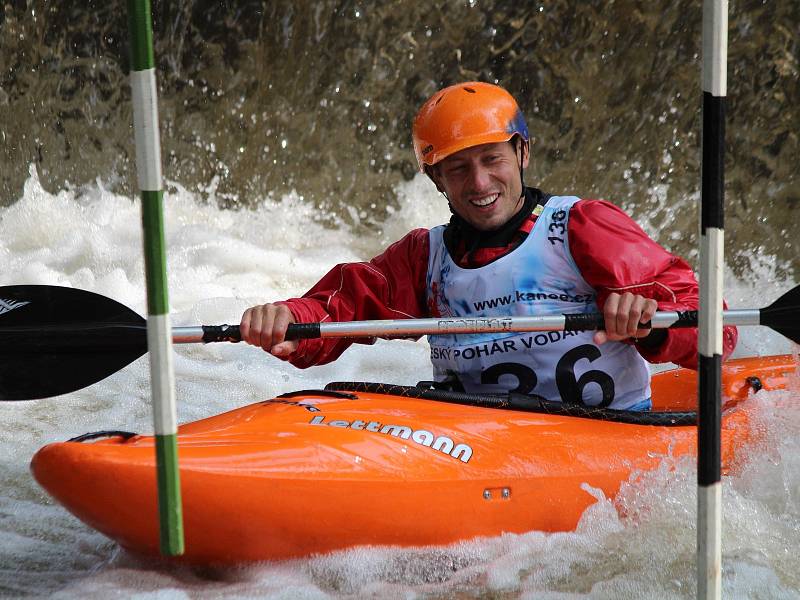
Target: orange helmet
<point x="462" y="116"/>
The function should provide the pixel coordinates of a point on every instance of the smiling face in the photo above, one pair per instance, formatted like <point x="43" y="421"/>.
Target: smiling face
<point x="483" y="183"/>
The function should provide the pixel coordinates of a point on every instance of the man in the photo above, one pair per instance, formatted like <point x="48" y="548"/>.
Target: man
<point x="508" y="250"/>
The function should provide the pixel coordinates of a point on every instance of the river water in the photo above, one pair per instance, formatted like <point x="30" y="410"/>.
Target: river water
<point x="220" y="262"/>
<point x="285" y="129"/>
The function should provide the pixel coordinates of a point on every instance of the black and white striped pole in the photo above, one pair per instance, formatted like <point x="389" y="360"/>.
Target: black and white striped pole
<point x="709" y="487"/>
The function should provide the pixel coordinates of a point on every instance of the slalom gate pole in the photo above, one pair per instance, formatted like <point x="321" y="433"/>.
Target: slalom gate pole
<point x="709" y="487"/>
<point x="159" y="336"/>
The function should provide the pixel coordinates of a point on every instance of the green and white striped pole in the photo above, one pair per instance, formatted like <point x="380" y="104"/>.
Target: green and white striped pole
<point x="159" y="334"/>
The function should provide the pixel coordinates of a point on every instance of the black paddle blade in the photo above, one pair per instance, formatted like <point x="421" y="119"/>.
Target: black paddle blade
<point x="782" y="315"/>
<point x="55" y="340"/>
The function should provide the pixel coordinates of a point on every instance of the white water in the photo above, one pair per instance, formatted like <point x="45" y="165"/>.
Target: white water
<point x="221" y="262"/>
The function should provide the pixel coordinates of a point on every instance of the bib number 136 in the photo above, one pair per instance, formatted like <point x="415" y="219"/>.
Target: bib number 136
<point x="570" y="387"/>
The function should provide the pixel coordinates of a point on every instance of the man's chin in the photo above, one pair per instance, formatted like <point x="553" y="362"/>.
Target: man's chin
<point x="486" y="226"/>
<point x="486" y="223"/>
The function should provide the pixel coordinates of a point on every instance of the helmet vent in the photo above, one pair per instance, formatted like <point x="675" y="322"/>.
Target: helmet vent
<point x="470" y="90"/>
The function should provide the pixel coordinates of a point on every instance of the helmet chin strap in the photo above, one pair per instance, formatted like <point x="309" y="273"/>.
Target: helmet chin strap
<point x="521" y="148"/>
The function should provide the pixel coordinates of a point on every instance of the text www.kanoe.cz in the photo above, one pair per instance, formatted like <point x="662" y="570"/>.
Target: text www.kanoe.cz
<point x="518" y="296"/>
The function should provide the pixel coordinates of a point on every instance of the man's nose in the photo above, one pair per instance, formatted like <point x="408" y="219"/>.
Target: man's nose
<point x="478" y="177"/>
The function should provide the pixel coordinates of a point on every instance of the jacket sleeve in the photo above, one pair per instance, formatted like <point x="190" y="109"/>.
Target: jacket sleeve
<point x="390" y="286"/>
<point x="615" y="255"/>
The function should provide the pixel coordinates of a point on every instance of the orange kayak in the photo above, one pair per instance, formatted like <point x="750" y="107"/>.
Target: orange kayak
<point x="316" y="471"/>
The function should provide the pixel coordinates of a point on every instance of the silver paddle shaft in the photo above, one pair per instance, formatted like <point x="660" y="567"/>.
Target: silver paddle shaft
<point x="448" y="326"/>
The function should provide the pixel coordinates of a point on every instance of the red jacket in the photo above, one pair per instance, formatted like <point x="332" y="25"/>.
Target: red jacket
<point x="610" y="249"/>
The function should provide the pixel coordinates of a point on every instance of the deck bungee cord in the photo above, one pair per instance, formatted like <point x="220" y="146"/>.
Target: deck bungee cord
<point x="520" y="402"/>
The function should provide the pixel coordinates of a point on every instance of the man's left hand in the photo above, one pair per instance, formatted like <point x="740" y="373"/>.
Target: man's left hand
<point x="623" y="313"/>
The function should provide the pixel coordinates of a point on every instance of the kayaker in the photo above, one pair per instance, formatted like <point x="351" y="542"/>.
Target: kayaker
<point x="508" y="249"/>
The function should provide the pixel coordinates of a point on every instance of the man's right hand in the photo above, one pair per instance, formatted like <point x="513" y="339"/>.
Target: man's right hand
<point x="265" y="326"/>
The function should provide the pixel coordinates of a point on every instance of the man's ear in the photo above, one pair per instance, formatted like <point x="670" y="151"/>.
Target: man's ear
<point x="526" y="152"/>
<point x="432" y="171"/>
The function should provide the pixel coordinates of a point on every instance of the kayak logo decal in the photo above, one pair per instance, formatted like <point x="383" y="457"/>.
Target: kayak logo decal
<point x="423" y="437"/>
<point x="9" y="305"/>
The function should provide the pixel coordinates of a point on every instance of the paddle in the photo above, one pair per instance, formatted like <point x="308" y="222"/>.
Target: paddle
<point x="55" y="340"/>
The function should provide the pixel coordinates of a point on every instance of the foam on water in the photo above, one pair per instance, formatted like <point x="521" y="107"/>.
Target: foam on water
<point x="220" y="262"/>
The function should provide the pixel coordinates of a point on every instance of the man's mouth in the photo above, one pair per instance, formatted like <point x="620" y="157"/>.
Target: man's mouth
<point x="485" y="200"/>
